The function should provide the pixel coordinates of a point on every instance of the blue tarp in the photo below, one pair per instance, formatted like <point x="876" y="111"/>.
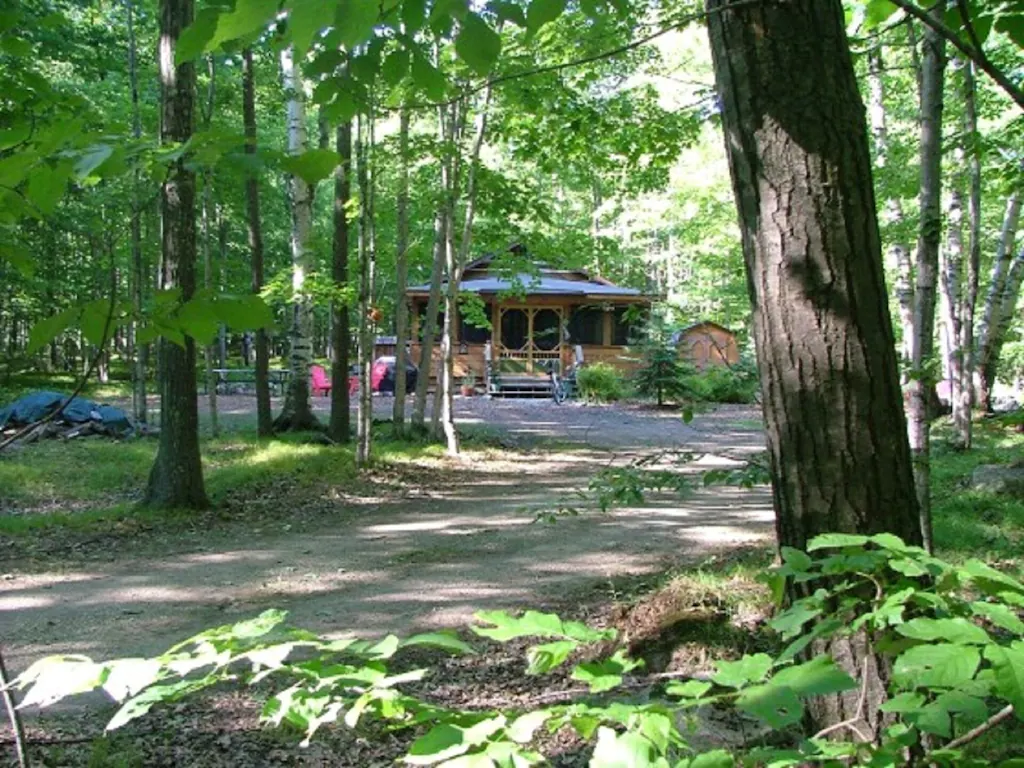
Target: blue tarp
<point x="39" y="405"/>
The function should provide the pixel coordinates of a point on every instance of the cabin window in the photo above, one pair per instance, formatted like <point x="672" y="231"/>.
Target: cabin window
<point x="586" y="326"/>
<point x="627" y="322"/>
<point x="514" y="328"/>
<point x="547" y="329"/>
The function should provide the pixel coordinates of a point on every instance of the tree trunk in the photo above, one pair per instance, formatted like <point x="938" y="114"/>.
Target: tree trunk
<point x="796" y="137"/>
<point x="176" y="480"/>
<point x="921" y="379"/>
<point x="429" y="324"/>
<point x="208" y="350"/>
<point x="364" y="416"/>
<point x="899" y="253"/>
<point x="402" y="272"/>
<point x="992" y="321"/>
<point x="963" y="406"/>
<point x="951" y="260"/>
<point x="138" y="361"/>
<point x="340" y="426"/>
<point x="297" y="413"/>
<point x="264" y="416"/>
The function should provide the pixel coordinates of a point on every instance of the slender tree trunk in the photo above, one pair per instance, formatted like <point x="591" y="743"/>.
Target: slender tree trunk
<point x="138" y="362"/>
<point x="992" y="321"/>
<point x="429" y="324"/>
<point x="951" y="260"/>
<point x="963" y="408"/>
<point x="208" y="350"/>
<point x="364" y="418"/>
<point x="340" y="426"/>
<point x="297" y="413"/>
<point x="921" y="387"/>
<point x="402" y="272"/>
<point x="218" y="278"/>
<point x="796" y="138"/>
<point x="899" y="253"/>
<point x="176" y="480"/>
<point x="264" y="416"/>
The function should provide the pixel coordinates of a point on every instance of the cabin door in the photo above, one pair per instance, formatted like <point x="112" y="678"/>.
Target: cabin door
<point x="529" y="339"/>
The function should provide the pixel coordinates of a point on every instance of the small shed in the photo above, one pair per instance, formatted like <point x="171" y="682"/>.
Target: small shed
<point x="708" y="343"/>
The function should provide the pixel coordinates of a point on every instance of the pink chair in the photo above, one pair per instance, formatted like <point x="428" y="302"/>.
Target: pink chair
<point x="321" y="382"/>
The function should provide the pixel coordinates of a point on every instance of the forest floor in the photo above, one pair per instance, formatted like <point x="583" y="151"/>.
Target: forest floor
<point x="419" y="542"/>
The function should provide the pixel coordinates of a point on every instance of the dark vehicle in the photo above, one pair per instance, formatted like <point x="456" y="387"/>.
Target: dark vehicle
<point x="382" y="376"/>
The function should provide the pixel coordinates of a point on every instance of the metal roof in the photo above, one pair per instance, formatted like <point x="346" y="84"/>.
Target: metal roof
<point x="533" y="286"/>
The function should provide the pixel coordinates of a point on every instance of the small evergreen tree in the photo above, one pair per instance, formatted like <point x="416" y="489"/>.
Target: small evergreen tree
<point x="661" y="375"/>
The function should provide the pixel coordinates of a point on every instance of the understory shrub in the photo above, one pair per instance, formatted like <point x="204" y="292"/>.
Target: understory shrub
<point x="724" y="384"/>
<point x="600" y="383"/>
<point x="952" y="635"/>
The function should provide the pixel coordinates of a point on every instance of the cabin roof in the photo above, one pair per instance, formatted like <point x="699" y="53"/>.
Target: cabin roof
<point x="704" y="324"/>
<point x="543" y="285"/>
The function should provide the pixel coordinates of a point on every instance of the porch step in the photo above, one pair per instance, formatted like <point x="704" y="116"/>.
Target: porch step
<point x="521" y="386"/>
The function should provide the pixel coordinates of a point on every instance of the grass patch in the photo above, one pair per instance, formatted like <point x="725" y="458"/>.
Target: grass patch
<point x="14" y="387"/>
<point x="971" y="523"/>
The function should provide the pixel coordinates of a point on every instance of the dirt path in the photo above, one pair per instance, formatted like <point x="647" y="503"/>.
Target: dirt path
<point x="426" y="561"/>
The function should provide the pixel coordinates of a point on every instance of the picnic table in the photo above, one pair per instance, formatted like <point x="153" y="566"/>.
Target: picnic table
<point x="228" y="377"/>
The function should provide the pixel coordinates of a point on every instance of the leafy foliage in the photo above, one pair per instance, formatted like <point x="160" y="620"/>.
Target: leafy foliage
<point x="600" y="383"/>
<point x="953" y="634"/>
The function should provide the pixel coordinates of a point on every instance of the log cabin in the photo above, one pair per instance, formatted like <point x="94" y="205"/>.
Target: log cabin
<point x="539" y="318"/>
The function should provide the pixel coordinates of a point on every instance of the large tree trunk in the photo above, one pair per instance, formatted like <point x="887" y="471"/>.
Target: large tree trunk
<point x="297" y="413"/>
<point x="176" y="480"/>
<point x="402" y="272"/>
<point x="139" y="351"/>
<point x="796" y="137"/>
<point x="991" y="320"/>
<point x="340" y="426"/>
<point x="264" y="416"/>
<point x="921" y="385"/>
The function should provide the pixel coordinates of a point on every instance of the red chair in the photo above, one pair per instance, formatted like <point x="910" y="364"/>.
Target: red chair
<point x="321" y="383"/>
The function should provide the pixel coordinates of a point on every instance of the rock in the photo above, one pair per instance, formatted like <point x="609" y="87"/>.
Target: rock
<point x="1006" y="479"/>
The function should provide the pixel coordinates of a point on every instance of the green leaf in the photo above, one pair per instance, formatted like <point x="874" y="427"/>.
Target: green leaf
<point x="395" y="66"/>
<point x="194" y="39"/>
<point x="523" y="727"/>
<point x="1008" y="664"/>
<point x="790" y="622"/>
<point x="49" y="328"/>
<point x="305" y="19"/>
<point x="749" y="669"/>
<point x="1000" y="615"/>
<point x="312" y="166"/>
<point x="15" y="46"/>
<point x="92" y="158"/>
<point x="774" y="704"/>
<point x="542" y="12"/>
<point x="414" y="13"/>
<point x="18" y="257"/>
<point x="816" y="677"/>
<point x="605" y="674"/>
<point x="57" y="677"/>
<point x="1012" y="25"/>
<point x="878" y="12"/>
<point x="628" y="750"/>
<point x="716" y="758"/>
<point x="243" y="313"/>
<point x="355" y="20"/>
<point x="97" y="321"/>
<point x="903" y="703"/>
<point x="477" y="44"/>
<point x="46" y="185"/>
<point x="198" y="318"/>
<point x="509" y="11"/>
<point x="535" y="624"/>
<point x="835" y="540"/>
<point x="447" y="641"/>
<point x="908" y="567"/>
<point x="796" y="559"/>
<point x="989" y="579"/>
<point x="929" y="666"/>
<point x="543" y="658"/>
<point x="951" y="630"/>
<point x="691" y="689"/>
<point x="427" y="77"/>
<point x="247" y="18"/>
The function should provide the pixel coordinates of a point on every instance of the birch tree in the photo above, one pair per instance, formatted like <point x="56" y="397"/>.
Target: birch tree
<point x="340" y="424"/>
<point x="402" y="275"/>
<point x="297" y="413"/>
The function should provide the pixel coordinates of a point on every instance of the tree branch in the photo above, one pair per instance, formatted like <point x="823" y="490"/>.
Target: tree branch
<point x="992" y="722"/>
<point x="975" y="54"/>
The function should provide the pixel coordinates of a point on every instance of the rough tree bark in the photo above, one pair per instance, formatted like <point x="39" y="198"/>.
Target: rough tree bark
<point x="992" y="324"/>
<point x="297" y="413"/>
<point x="264" y="416"/>
<point x="367" y="259"/>
<point x="429" y="325"/>
<point x="176" y="480"/>
<point x="963" y="403"/>
<point x="402" y="272"/>
<point x="796" y="138"/>
<point x="921" y="389"/>
<point x="138" y="279"/>
<point x="340" y="424"/>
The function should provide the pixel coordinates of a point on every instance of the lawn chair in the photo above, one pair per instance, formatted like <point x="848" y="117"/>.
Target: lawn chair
<point x="321" y="382"/>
